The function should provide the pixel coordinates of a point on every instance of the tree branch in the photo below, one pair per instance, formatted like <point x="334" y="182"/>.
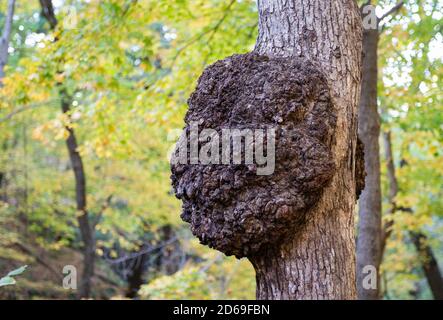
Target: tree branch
<point x="100" y="214"/>
<point x="142" y="252"/>
<point x="391" y="11"/>
<point x="38" y="258"/>
<point x="25" y="108"/>
<point x="393" y="190"/>
<point x="213" y="30"/>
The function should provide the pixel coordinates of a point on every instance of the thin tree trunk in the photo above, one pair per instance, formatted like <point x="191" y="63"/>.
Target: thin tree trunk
<point x="424" y="251"/>
<point x="429" y="264"/>
<point x="86" y="227"/>
<point x="320" y="262"/>
<point x="6" y="36"/>
<point x="369" y="223"/>
<point x="370" y="241"/>
<point x="393" y="190"/>
<point x="48" y="13"/>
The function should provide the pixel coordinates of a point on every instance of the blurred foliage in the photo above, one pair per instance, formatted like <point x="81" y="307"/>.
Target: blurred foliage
<point x="410" y="104"/>
<point x="217" y="277"/>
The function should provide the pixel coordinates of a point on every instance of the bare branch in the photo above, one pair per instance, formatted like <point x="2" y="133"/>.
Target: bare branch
<point x="212" y="32"/>
<point x="142" y="252"/>
<point x="105" y="205"/>
<point x="392" y="11"/>
<point x="129" y="6"/>
<point x="38" y="258"/>
<point x="48" y="13"/>
<point x="393" y="190"/>
<point x="25" y="108"/>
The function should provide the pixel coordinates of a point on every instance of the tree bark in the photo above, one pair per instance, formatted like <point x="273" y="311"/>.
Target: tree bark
<point x="318" y="263"/>
<point x="425" y="253"/>
<point x="371" y="234"/>
<point x="369" y="223"/>
<point x="48" y="13"/>
<point x="6" y="36"/>
<point x="86" y="227"/>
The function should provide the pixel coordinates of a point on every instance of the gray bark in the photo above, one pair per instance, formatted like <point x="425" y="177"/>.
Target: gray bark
<point x="319" y="263"/>
<point x="371" y="235"/>
<point x="6" y="36"/>
<point x="369" y="223"/>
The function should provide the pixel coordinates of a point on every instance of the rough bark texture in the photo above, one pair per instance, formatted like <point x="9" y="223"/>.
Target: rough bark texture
<point x="231" y="207"/>
<point x="6" y="35"/>
<point x="425" y="253"/>
<point x="369" y="223"/>
<point x="316" y="260"/>
<point x="320" y="262"/>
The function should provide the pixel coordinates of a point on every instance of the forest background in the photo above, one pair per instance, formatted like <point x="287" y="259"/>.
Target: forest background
<point x="116" y="75"/>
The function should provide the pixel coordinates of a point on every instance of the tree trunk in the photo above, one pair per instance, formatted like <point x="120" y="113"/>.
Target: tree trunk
<point x="429" y="264"/>
<point x="371" y="235"/>
<point x="426" y="255"/>
<point x="86" y="227"/>
<point x="48" y="13"/>
<point x="393" y="190"/>
<point x="319" y="263"/>
<point x="135" y="277"/>
<point x="6" y="35"/>
<point x="369" y="223"/>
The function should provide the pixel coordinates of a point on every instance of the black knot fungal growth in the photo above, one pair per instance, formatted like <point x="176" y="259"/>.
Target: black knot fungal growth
<point x="360" y="171"/>
<point x="230" y="207"/>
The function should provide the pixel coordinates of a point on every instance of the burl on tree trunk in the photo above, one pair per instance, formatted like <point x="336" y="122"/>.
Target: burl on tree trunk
<point x="295" y="225"/>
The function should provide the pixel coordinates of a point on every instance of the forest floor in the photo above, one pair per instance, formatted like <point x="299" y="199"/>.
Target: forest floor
<point x="43" y="279"/>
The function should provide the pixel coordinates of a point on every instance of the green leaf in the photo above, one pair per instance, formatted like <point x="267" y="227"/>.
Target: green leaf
<point x="6" y="281"/>
<point x="16" y="272"/>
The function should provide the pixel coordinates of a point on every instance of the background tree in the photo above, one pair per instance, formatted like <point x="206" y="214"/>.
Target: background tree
<point x="424" y="251"/>
<point x="84" y="221"/>
<point x="6" y="35"/>
<point x="370" y="233"/>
